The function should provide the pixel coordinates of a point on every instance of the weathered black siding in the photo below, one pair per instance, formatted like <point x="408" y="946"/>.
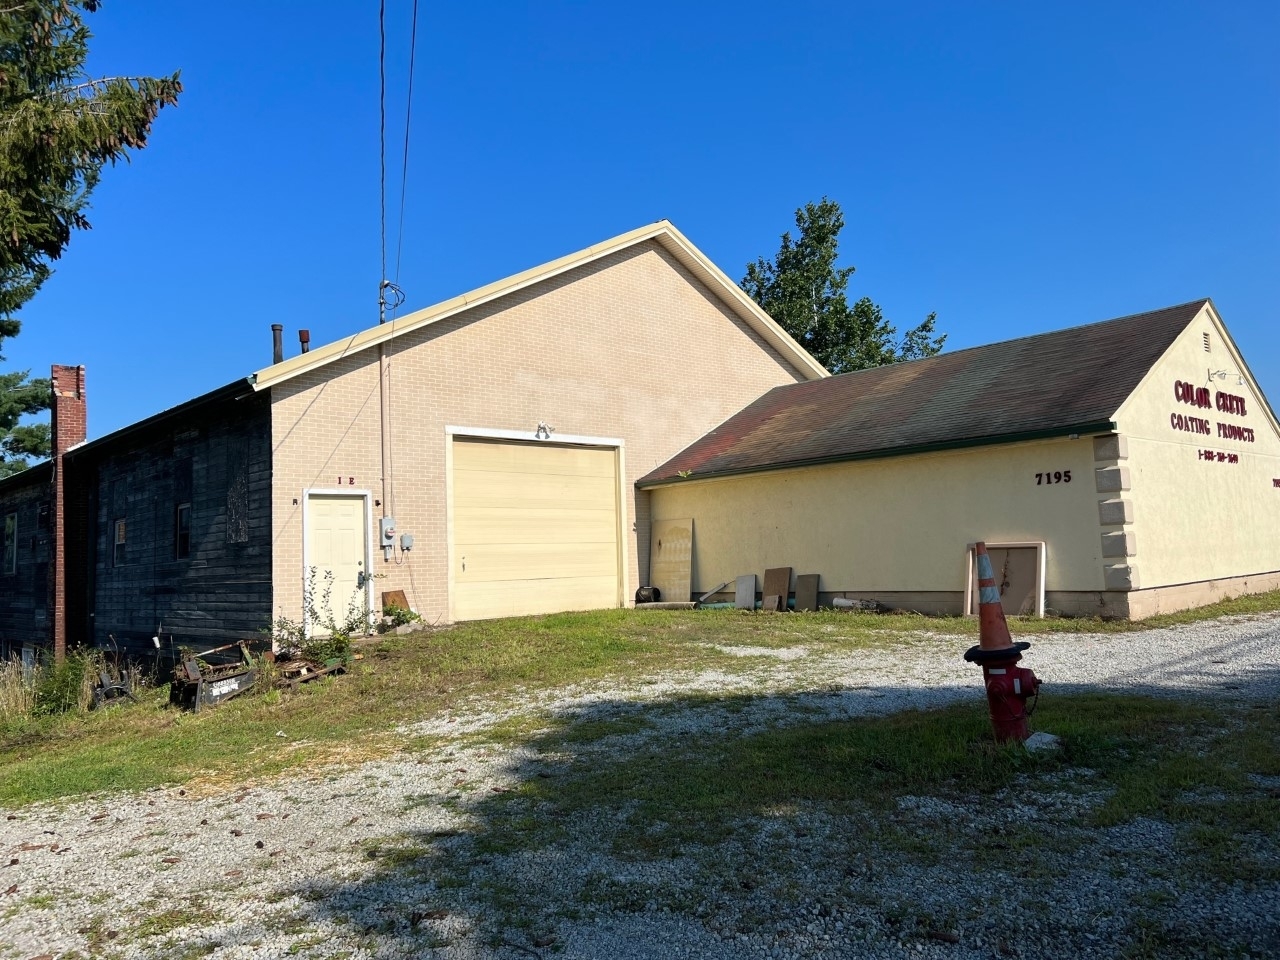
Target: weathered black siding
<point x="217" y="458"/>
<point x="25" y="613"/>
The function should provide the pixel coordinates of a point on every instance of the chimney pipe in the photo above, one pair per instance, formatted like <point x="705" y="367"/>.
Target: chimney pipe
<point x="277" y="342"/>
<point x="67" y="428"/>
<point x="304" y="338"/>
<point x="68" y="415"/>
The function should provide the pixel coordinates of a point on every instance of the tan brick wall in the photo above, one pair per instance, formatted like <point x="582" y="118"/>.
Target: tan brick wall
<point x="630" y="346"/>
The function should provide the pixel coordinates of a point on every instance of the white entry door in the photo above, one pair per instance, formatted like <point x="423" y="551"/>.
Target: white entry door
<point x="336" y="534"/>
<point x="535" y="528"/>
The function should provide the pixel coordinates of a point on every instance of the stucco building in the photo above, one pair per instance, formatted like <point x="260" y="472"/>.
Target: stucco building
<point x="509" y="451"/>
<point x="1130" y="467"/>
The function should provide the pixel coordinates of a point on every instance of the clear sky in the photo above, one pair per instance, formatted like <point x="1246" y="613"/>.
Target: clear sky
<point x="1016" y="167"/>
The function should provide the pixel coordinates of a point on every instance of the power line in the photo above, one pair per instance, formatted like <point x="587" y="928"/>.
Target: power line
<point x="408" y="116"/>
<point x="382" y="138"/>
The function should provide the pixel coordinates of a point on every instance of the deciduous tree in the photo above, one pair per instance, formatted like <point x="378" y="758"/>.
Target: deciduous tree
<point x="804" y="291"/>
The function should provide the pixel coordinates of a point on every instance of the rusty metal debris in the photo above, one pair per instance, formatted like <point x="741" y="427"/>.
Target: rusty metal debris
<point x="294" y="673"/>
<point x="197" y="682"/>
<point x="108" y="691"/>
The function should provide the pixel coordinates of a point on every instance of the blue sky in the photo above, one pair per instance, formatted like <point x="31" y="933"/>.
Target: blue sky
<point x="1015" y="167"/>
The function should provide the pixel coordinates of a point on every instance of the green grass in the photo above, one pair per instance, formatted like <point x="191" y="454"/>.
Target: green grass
<point x="1185" y="763"/>
<point x="174" y="918"/>
<point x="401" y="679"/>
<point x="1252" y="604"/>
<point x="408" y="678"/>
<point x="702" y="816"/>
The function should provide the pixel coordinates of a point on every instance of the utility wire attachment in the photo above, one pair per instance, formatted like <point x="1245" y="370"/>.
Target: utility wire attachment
<point x="389" y="295"/>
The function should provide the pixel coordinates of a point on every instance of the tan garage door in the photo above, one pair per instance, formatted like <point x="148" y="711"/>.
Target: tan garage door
<point x="535" y="528"/>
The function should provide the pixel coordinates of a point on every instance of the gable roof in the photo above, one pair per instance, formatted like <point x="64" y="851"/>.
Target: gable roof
<point x="1050" y="384"/>
<point x="663" y="232"/>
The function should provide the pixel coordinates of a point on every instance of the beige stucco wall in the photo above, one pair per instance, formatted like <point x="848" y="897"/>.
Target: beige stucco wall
<point x="630" y="346"/>
<point x="898" y="525"/>
<point x="1195" y="520"/>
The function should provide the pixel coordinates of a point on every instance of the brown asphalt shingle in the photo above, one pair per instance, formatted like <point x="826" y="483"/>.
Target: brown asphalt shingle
<point x="1048" y="382"/>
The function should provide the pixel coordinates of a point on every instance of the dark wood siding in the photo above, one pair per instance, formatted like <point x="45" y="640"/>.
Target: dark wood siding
<point x="218" y="460"/>
<point x="25" y="614"/>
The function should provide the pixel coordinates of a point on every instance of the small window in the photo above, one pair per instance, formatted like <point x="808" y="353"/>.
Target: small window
<point x="182" y="531"/>
<point x="10" y="559"/>
<point x="118" y="541"/>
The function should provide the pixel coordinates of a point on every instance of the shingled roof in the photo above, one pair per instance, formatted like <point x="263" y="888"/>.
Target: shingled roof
<point x="1049" y="384"/>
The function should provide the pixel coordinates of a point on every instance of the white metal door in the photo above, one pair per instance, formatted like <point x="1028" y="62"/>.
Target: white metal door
<point x="336" y="551"/>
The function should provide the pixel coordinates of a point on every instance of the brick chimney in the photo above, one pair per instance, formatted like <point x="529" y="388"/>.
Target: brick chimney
<point x="70" y="421"/>
<point x="69" y="427"/>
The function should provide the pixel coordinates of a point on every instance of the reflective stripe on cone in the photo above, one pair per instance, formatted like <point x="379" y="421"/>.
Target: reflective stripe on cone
<point x="993" y="629"/>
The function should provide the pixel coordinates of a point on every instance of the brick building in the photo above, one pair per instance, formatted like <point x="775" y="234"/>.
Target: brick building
<point x="480" y="455"/>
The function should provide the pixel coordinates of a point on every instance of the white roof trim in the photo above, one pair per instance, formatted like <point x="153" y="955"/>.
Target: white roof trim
<point x="663" y="232"/>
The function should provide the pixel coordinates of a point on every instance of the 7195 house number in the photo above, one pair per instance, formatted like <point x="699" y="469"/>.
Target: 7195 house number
<point x="1057" y="476"/>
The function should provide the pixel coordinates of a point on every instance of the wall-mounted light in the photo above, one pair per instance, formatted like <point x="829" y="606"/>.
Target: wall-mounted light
<point x="1223" y="374"/>
<point x="543" y="432"/>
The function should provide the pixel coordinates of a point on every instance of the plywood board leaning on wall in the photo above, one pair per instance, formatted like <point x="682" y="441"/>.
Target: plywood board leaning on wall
<point x="807" y="591"/>
<point x="777" y="582"/>
<point x="671" y="559"/>
<point x="1019" y="570"/>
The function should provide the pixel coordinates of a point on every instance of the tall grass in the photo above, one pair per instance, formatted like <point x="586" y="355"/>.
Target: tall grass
<point x="402" y="679"/>
<point x="17" y="692"/>
<point x="49" y="689"/>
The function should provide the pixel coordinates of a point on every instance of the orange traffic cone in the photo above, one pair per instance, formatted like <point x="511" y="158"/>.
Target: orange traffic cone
<point x="993" y="629"/>
<point x="1008" y="685"/>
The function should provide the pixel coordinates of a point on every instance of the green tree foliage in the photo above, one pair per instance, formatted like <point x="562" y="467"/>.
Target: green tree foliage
<point x="804" y="291"/>
<point x="58" y="128"/>
<point x="20" y="396"/>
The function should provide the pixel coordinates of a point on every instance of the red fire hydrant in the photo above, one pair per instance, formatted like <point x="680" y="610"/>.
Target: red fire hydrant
<point x="1009" y="686"/>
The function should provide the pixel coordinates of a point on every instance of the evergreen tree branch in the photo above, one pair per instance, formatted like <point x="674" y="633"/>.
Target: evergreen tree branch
<point x="58" y="128"/>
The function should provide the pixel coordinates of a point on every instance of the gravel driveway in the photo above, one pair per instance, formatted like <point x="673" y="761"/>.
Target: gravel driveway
<point x="391" y="858"/>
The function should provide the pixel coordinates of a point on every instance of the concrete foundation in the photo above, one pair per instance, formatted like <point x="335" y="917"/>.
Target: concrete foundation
<point x="1109" y="604"/>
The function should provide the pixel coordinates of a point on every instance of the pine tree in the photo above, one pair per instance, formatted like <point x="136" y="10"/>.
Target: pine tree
<point x="20" y="396"/>
<point x="804" y="291"/>
<point x="58" y="128"/>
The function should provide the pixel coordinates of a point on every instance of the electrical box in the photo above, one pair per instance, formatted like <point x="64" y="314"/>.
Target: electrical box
<point x="387" y="530"/>
<point x="406" y="542"/>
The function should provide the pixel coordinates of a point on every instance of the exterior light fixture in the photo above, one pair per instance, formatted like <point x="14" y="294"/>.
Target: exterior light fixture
<point x="1223" y="374"/>
<point x="543" y="432"/>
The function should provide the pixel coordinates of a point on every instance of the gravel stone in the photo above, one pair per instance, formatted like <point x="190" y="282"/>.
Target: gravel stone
<point x="391" y="859"/>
